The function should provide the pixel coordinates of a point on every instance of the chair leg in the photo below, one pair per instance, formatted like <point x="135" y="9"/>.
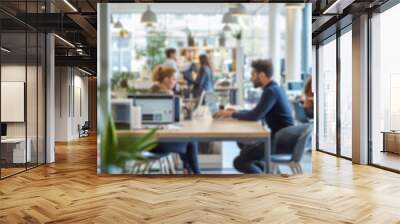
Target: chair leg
<point x="133" y="168"/>
<point x="137" y="168"/>
<point x="171" y="164"/>
<point x="165" y="164"/>
<point x="144" y="167"/>
<point x="274" y="168"/>
<point x="168" y="165"/>
<point x="299" y="168"/>
<point x="176" y="161"/>
<point x="161" y="166"/>
<point x="148" y="168"/>
<point x="293" y="168"/>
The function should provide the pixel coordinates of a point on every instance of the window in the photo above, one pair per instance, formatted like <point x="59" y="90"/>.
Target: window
<point x="385" y="84"/>
<point x="327" y="97"/>
<point x="346" y="94"/>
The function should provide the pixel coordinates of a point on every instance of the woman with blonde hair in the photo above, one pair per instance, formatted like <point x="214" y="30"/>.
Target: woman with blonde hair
<point x="165" y="80"/>
<point x="188" y="151"/>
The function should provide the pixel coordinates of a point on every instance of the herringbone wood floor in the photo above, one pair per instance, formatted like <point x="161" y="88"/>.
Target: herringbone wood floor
<point x="70" y="191"/>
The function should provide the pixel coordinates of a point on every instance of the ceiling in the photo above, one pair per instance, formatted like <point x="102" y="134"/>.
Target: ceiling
<point x="81" y="26"/>
<point x="187" y="8"/>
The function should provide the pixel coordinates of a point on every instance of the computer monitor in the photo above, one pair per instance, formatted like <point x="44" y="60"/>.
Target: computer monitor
<point x="121" y="110"/>
<point x="177" y="108"/>
<point x="295" y="85"/>
<point x="156" y="109"/>
<point x="3" y="129"/>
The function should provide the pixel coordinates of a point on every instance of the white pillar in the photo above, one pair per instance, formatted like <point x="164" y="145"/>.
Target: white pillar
<point x="275" y="39"/>
<point x="50" y="93"/>
<point x="104" y="72"/>
<point x="240" y="73"/>
<point x="360" y="90"/>
<point x="293" y="42"/>
<point x="50" y="104"/>
<point x="306" y="63"/>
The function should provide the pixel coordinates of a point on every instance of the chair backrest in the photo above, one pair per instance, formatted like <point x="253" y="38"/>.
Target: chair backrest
<point x="292" y="140"/>
<point x="300" y="113"/>
<point x="86" y="125"/>
<point x="302" y="141"/>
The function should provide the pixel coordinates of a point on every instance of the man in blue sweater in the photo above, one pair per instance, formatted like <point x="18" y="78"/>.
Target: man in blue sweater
<point x="273" y="108"/>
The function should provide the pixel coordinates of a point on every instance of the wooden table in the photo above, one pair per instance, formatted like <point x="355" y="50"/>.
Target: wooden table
<point x="391" y="141"/>
<point x="205" y="130"/>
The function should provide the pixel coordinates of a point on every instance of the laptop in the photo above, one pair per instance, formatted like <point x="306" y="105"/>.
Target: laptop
<point x="208" y="100"/>
<point x="211" y="102"/>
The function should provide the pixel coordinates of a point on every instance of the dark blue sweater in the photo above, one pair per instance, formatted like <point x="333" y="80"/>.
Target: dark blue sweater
<point x="274" y="108"/>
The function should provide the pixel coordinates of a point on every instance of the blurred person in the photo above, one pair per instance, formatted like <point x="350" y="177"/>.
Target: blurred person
<point x="273" y="109"/>
<point x="308" y="99"/>
<point x="171" y="62"/>
<point x="188" y="151"/>
<point x="204" y="80"/>
<point x="188" y="69"/>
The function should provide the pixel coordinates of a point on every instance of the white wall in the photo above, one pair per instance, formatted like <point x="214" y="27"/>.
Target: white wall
<point x="16" y="73"/>
<point x="33" y="126"/>
<point x="71" y="102"/>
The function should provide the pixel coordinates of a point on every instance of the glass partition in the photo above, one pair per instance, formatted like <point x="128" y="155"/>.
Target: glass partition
<point x="22" y="77"/>
<point x="15" y="151"/>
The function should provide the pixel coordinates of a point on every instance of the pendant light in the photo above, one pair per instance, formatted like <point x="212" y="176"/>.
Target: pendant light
<point x="149" y="16"/>
<point x="239" y="10"/>
<point x="118" y="25"/>
<point x="226" y="28"/>
<point x="228" y="18"/>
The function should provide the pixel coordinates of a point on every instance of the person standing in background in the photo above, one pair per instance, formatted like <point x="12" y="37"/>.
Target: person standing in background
<point x="188" y="69"/>
<point x="204" y="80"/>
<point x="171" y="62"/>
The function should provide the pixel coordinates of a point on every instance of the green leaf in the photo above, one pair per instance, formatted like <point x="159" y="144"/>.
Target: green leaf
<point x="109" y="144"/>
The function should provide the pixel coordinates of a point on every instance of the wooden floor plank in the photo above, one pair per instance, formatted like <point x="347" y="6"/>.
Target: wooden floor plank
<point x="70" y="191"/>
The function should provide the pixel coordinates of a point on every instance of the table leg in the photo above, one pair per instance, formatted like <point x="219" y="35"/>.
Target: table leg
<point x="267" y="155"/>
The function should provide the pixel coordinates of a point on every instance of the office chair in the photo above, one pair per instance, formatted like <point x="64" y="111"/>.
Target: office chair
<point x="165" y="162"/>
<point x="84" y="129"/>
<point x="299" y="113"/>
<point x="302" y="118"/>
<point x="293" y="141"/>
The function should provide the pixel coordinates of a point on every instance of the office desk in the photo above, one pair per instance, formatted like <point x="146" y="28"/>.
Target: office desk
<point x="13" y="150"/>
<point x="213" y="130"/>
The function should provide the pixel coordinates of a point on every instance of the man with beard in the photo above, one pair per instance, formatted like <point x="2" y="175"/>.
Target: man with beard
<point x="273" y="109"/>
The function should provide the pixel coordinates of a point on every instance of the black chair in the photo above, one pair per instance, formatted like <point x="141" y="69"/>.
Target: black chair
<point x="84" y="129"/>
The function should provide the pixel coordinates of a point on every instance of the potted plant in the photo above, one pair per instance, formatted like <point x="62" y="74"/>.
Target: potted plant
<point x="238" y="36"/>
<point x="120" y="84"/>
<point x="154" y="50"/>
<point x="117" y="151"/>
